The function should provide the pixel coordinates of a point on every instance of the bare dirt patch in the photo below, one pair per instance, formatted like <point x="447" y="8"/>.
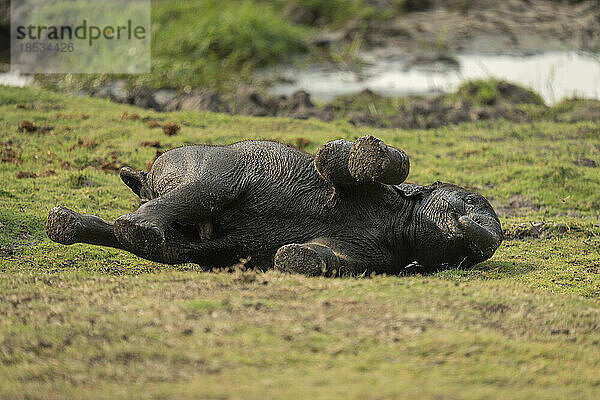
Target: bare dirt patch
<point x="154" y="124"/>
<point x="48" y="172"/>
<point x="26" y="175"/>
<point x="515" y="205"/>
<point x="27" y="126"/>
<point x="33" y="175"/>
<point x="87" y="144"/>
<point x="110" y="166"/>
<point x="46" y="129"/>
<point x="130" y="116"/>
<point x="9" y="155"/>
<point x="544" y="230"/>
<point x="171" y="128"/>
<point x="302" y="143"/>
<point x="586" y="162"/>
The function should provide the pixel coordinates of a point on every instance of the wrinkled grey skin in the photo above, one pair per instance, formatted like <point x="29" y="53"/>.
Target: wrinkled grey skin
<point x="344" y="210"/>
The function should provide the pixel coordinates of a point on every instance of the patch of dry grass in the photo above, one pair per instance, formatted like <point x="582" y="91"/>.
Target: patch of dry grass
<point x="251" y="334"/>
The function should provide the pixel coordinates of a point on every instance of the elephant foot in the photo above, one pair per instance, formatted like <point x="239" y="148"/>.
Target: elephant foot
<point x="142" y="237"/>
<point x="372" y="160"/>
<point x="63" y="225"/>
<point x="306" y="259"/>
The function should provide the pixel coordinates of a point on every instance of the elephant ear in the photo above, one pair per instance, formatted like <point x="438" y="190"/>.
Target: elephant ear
<point x="410" y="190"/>
<point x="134" y="179"/>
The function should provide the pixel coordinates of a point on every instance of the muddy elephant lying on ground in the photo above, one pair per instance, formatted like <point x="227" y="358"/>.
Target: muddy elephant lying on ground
<point x="344" y="210"/>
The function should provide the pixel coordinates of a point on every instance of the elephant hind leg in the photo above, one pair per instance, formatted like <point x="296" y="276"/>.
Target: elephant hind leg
<point x="179" y="219"/>
<point x="325" y="256"/>
<point x="141" y="237"/>
<point x="311" y="259"/>
<point x="366" y="160"/>
<point x="371" y="160"/>
<point x="67" y="227"/>
<point x="321" y="256"/>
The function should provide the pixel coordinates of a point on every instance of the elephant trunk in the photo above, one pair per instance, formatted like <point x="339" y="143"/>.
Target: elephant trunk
<point x="485" y="236"/>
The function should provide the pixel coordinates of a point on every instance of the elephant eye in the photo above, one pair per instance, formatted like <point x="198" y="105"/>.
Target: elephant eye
<point x="470" y="199"/>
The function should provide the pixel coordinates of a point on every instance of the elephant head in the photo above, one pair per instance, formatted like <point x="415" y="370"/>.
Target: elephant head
<point x="451" y="226"/>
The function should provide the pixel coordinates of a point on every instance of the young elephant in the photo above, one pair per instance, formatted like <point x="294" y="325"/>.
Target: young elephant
<point x="344" y="210"/>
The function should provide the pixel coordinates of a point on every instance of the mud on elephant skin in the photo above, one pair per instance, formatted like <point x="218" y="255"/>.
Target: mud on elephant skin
<point x="344" y="210"/>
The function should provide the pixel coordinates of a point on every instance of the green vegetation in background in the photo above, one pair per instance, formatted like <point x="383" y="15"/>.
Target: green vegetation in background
<point x="201" y="43"/>
<point x="89" y="322"/>
<point x="325" y="13"/>
<point x="488" y="92"/>
<point x="216" y="43"/>
<point x="380" y="110"/>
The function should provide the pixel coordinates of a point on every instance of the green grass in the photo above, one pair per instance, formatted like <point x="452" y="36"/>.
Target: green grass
<point x="87" y="322"/>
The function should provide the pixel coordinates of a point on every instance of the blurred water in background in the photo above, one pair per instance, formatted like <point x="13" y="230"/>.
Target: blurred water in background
<point x="553" y="75"/>
<point x="14" y="79"/>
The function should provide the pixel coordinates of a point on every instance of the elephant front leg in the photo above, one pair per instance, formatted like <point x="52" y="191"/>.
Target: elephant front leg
<point x="368" y="159"/>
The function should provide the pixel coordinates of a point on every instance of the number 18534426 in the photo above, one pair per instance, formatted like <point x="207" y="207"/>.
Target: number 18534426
<point x="40" y="47"/>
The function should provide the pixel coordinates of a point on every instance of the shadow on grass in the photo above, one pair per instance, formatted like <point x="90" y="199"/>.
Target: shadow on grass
<point x="488" y="270"/>
<point x="48" y="257"/>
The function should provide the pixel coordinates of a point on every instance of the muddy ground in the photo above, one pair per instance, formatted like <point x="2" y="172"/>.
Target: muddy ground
<point x="486" y="26"/>
<point x="471" y="102"/>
